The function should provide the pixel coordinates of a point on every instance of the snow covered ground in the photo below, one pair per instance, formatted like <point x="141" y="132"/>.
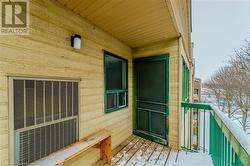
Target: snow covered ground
<point x="193" y="159"/>
<point x="236" y="117"/>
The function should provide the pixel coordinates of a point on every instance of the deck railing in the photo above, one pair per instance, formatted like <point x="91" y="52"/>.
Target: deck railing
<point x="204" y="130"/>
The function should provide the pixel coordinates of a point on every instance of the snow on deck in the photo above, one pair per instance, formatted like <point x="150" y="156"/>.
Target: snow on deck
<point x="138" y="151"/>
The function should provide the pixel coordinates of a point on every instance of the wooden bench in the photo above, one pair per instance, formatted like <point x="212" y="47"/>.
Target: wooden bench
<point x="100" y="139"/>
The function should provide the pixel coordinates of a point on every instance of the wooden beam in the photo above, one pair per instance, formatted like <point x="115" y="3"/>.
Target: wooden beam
<point x="106" y="152"/>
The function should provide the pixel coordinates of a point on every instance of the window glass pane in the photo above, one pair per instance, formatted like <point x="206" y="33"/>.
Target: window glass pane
<point x="69" y="99"/>
<point x="124" y="74"/>
<point x="115" y="80"/>
<point x="111" y="100"/>
<point x="56" y="100"/>
<point x="29" y="93"/>
<point x="122" y="99"/>
<point x="39" y="102"/>
<point x="48" y="101"/>
<point x="75" y="98"/>
<point x="18" y="104"/>
<point x="115" y="73"/>
<point x="63" y="99"/>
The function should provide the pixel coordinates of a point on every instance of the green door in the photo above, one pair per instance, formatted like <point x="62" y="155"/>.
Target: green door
<point x="151" y="98"/>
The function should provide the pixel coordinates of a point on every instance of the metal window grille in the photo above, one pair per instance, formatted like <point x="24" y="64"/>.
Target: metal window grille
<point x="45" y="117"/>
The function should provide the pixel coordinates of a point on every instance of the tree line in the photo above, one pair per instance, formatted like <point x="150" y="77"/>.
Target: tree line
<point x="230" y="85"/>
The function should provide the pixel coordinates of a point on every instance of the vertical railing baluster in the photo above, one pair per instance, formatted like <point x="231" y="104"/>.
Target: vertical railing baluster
<point x="228" y="153"/>
<point x="197" y="127"/>
<point x="204" y="133"/>
<point x="24" y="102"/>
<point x="210" y="135"/>
<point x="190" y="128"/>
<point x="223" y="146"/>
<point x="184" y="127"/>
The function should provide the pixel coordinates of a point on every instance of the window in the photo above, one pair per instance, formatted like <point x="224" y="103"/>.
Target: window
<point x="45" y="117"/>
<point x="196" y="91"/>
<point x="116" y="80"/>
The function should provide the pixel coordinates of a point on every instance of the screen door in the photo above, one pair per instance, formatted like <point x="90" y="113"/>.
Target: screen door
<point x="151" y="98"/>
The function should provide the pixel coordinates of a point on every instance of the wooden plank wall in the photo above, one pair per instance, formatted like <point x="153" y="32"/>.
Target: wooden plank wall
<point x="171" y="47"/>
<point x="181" y="14"/>
<point x="47" y="52"/>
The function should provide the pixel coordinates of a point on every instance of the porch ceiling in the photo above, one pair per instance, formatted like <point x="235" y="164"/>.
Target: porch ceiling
<point x="135" y="22"/>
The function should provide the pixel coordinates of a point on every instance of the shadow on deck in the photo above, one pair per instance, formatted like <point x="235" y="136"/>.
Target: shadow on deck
<point x="139" y="151"/>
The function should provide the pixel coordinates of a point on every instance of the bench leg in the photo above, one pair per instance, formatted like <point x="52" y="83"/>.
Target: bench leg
<point x="105" y="148"/>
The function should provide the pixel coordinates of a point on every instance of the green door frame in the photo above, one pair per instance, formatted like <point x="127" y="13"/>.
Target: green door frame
<point x="162" y="57"/>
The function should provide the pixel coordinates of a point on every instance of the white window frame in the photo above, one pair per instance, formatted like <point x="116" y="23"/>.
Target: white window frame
<point x="11" y="107"/>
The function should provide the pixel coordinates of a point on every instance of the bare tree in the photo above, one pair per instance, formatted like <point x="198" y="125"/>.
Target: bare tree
<point x="241" y="80"/>
<point x="232" y="84"/>
<point x="221" y="85"/>
<point x="214" y="87"/>
<point x="225" y="82"/>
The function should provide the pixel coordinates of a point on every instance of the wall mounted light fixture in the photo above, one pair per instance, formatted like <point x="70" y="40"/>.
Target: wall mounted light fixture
<point x="76" y="41"/>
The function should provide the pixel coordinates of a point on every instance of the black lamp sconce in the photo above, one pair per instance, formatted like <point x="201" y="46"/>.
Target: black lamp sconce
<point x="76" y="41"/>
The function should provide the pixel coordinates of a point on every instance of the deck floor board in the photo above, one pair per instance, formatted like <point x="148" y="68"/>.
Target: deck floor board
<point x="124" y="150"/>
<point x="138" y="155"/>
<point x="137" y="151"/>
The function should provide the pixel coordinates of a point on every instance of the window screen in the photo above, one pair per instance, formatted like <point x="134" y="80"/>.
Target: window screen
<point x="45" y="117"/>
<point x="116" y="78"/>
<point x="151" y="87"/>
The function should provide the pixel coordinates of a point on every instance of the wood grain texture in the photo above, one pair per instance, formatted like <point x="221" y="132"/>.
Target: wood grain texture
<point x="182" y="18"/>
<point x="144" y="152"/>
<point x="106" y="152"/>
<point x="46" y="52"/>
<point x="137" y="23"/>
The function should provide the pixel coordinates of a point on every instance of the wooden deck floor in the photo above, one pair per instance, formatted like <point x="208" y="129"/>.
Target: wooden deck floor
<point x="139" y="151"/>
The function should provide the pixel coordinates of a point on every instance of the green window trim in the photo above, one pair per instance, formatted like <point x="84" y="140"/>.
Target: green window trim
<point x="116" y="90"/>
<point x="185" y="81"/>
